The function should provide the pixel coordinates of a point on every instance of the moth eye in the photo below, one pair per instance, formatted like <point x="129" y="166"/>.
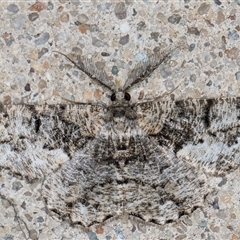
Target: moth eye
<point x="113" y="97"/>
<point x="127" y="96"/>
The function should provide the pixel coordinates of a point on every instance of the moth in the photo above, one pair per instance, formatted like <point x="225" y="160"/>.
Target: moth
<point x="151" y="160"/>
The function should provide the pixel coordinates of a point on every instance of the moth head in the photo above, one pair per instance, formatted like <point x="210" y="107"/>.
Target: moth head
<point x="120" y="97"/>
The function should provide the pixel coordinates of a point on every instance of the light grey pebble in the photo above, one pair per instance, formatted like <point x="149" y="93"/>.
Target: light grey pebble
<point x="165" y="72"/>
<point x="13" y="8"/>
<point x="169" y="85"/>
<point x="193" y="78"/>
<point x="9" y="40"/>
<point x="33" y="16"/>
<point x="92" y="235"/>
<point x="16" y="186"/>
<point x="203" y="224"/>
<point x="98" y="43"/>
<point x="204" y="8"/>
<point x="108" y="238"/>
<point x="120" y="11"/>
<point x="140" y="57"/>
<point x="82" y="18"/>
<point x="104" y="6"/>
<point x="50" y="6"/>
<point x="174" y="19"/>
<point x="18" y="22"/>
<point x="233" y="35"/>
<point x="119" y="232"/>
<point x="43" y="39"/>
<point x="8" y="237"/>
<point x="237" y="75"/>
<point x="124" y="40"/>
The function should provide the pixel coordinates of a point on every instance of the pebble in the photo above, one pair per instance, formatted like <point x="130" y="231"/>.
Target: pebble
<point x="124" y="40"/>
<point x="64" y="17"/>
<point x="40" y="219"/>
<point x="105" y="54"/>
<point x="233" y="35"/>
<point x="98" y="43"/>
<point x="27" y="87"/>
<point x="203" y="9"/>
<point x="38" y="6"/>
<point x="174" y="19"/>
<point x="43" y="39"/>
<point x="42" y="52"/>
<point x="104" y="6"/>
<point x="50" y="6"/>
<point x="141" y="57"/>
<point x="220" y="17"/>
<point x="16" y="186"/>
<point x="232" y="53"/>
<point x="237" y="75"/>
<point x="33" y="16"/>
<point x="42" y="84"/>
<point x="124" y="27"/>
<point x="82" y="18"/>
<point x="120" y="11"/>
<point x="33" y="234"/>
<point x="141" y="26"/>
<point x="191" y="47"/>
<point x="115" y="70"/>
<point x="217" y="2"/>
<point x="7" y="100"/>
<point x="119" y="233"/>
<point x="9" y="40"/>
<point x="193" y="30"/>
<point x="92" y="235"/>
<point x="12" y="8"/>
<point x="155" y="35"/>
<point x="18" y="22"/>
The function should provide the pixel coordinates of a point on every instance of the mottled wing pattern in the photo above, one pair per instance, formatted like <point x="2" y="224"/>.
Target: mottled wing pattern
<point x="34" y="140"/>
<point x="202" y="132"/>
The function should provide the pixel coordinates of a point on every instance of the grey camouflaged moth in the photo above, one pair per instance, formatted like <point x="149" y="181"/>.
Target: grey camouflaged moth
<point x="151" y="160"/>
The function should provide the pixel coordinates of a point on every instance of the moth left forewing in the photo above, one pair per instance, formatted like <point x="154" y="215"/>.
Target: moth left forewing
<point x="203" y="132"/>
<point x="38" y="139"/>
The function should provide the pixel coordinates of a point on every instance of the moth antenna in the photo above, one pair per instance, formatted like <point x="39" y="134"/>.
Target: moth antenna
<point x="156" y="99"/>
<point x="83" y="103"/>
<point x="145" y="69"/>
<point x="91" y="71"/>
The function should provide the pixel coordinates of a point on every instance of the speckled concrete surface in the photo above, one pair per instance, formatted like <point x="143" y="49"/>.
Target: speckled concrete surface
<point x="204" y="37"/>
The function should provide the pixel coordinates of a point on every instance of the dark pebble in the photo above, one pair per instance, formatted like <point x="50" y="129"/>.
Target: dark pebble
<point x="191" y="47"/>
<point x="16" y="186"/>
<point x="215" y="204"/>
<point x="50" y="6"/>
<point x="207" y="44"/>
<point x="115" y="70"/>
<point x="105" y="54"/>
<point x="174" y="19"/>
<point x="193" y="30"/>
<point x="27" y="87"/>
<point x="40" y="219"/>
<point x="12" y="8"/>
<point x="141" y="25"/>
<point x="155" y="35"/>
<point x="134" y="12"/>
<point x="209" y="83"/>
<point x="120" y="11"/>
<point x="223" y="182"/>
<point x="124" y="40"/>
<point x="217" y="2"/>
<point x="42" y="52"/>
